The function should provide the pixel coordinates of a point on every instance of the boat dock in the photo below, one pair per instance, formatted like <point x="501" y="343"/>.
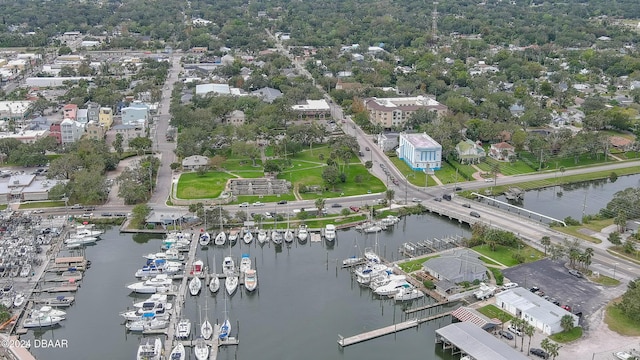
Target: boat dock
<point x="425" y="307"/>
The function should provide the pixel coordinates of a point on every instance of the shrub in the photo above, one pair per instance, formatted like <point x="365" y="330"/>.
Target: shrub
<point x="429" y="284"/>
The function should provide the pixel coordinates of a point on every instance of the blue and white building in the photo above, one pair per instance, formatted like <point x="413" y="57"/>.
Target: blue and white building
<point x="420" y="151"/>
<point x="136" y="113"/>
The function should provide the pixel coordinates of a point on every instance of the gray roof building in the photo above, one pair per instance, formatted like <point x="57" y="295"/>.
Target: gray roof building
<point x="455" y="267"/>
<point x="267" y="94"/>
<point x="194" y="162"/>
<point x="477" y="343"/>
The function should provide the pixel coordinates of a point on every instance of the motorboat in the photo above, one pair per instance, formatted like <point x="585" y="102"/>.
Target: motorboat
<point x="248" y="237"/>
<point x="42" y="321"/>
<point x="195" y="284"/>
<point x="392" y="288"/>
<point x="79" y="241"/>
<point x="303" y="233"/>
<point x="178" y="352"/>
<point x="245" y="263"/>
<point x="288" y="236"/>
<point x="88" y="233"/>
<point x="225" y="330"/>
<point x="147" y="324"/>
<point x="276" y="237"/>
<point x="262" y="236"/>
<point x="154" y="270"/>
<point x="47" y="310"/>
<point x="228" y="266"/>
<point x="59" y="301"/>
<point x="25" y="271"/>
<point x="205" y="239"/>
<point x="152" y="300"/>
<point x="371" y="256"/>
<point x="184" y="329"/>
<point x="365" y="273"/>
<point x="18" y="300"/>
<point x="384" y="279"/>
<point x="169" y="255"/>
<point x="372" y="229"/>
<point x="220" y="239"/>
<point x="150" y="349"/>
<point x="390" y="220"/>
<point x="154" y="305"/>
<point x="330" y="232"/>
<point x="624" y="355"/>
<point x="197" y="268"/>
<point x="201" y="349"/>
<point x="214" y="283"/>
<point x="160" y="283"/>
<point x="352" y="261"/>
<point x="231" y="284"/>
<point x="233" y="236"/>
<point x="408" y="293"/>
<point x="157" y="311"/>
<point x="250" y="280"/>
<point x="206" y="330"/>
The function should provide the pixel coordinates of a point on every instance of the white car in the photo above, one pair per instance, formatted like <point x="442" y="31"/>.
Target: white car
<point x="488" y="180"/>
<point x="38" y="211"/>
<point x="244" y="204"/>
<point x="416" y="200"/>
<point x="258" y="203"/>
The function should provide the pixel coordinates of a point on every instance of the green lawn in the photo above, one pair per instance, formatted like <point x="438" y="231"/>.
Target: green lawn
<point x="486" y="260"/>
<point x="314" y="155"/>
<point x="246" y="174"/>
<point x="414" y="265"/>
<point x="232" y="164"/>
<point x="269" y="151"/>
<point x="619" y="322"/>
<point x="595" y="225"/>
<point x="208" y="186"/>
<point x="497" y="274"/>
<point x="504" y="255"/>
<point x="415" y="177"/>
<point x="493" y="312"/>
<point x="447" y="174"/>
<point x="506" y="168"/>
<point x="604" y="280"/>
<point x="264" y="198"/>
<point x="41" y="204"/>
<point x="630" y="155"/>
<point x="567" y="336"/>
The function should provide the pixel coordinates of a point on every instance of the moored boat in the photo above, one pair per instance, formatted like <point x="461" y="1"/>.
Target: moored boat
<point x="248" y="237"/>
<point x="201" y="349"/>
<point x="262" y="236"/>
<point x="214" y="283"/>
<point x="231" y="283"/>
<point x="220" y="239"/>
<point x="195" y="284"/>
<point x="150" y="349"/>
<point x="225" y="329"/>
<point x="228" y="265"/>
<point x="204" y="238"/>
<point x="206" y="330"/>
<point x="245" y="263"/>
<point x="183" y="329"/>
<point x="288" y="236"/>
<point x="197" y="268"/>
<point x="276" y="237"/>
<point x="178" y="352"/>
<point x="330" y="232"/>
<point x="408" y="293"/>
<point x="303" y="233"/>
<point x="250" y="280"/>
<point x="42" y="321"/>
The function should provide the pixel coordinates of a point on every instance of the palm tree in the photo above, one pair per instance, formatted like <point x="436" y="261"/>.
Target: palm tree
<point x="523" y="328"/>
<point x="319" y="205"/>
<point x="529" y="330"/>
<point x="389" y="195"/>
<point x="545" y="241"/>
<point x="588" y="254"/>
<point x="566" y="322"/>
<point x="516" y="323"/>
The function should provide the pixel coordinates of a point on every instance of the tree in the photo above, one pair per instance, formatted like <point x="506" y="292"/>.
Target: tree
<point x="566" y="322"/>
<point x="319" y="203"/>
<point x="247" y="149"/>
<point x="588" y="254"/>
<point x="630" y="302"/>
<point x="139" y="215"/>
<point x="345" y="212"/>
<point x="331" y="175"/>
<point x="550" y="347"/>
<point x="545" y="241"/>
<point x="368" y="164"/>
<point x="64" y="50"/>
<point x="117" y="144"/>
<point x="140" y="143"/>
<point x="389" y="195"/>
<point x="615" y="238"/>
<point x="516" y="323"/>
<point x="621" y="221"/>
<point x="529" y="330"/>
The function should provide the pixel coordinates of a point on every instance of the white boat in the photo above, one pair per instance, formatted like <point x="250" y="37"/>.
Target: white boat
<point x="201" y="349"/>
<point x="88" y="233"/>
<point x="372" y="229"/>
<point x="624" y="355"/>
<point x="160" y="283"/>
<point x="214" y="283"/>
<point x="152" y="301"/>
<point x="352" y="260"/>
<point x="233" y="236"/>
<point x="206" y="330"/>
<point x="248" y="237"/>
<point x="147" y="324"/>
<point x="250" y="280"/>
<point x="303" y="233"/>
<point x="195" y="284"/>
<point x="25" y="271"/>
<point x="183" y="329"/>
<point x="220" y="239"/>
<point x="225" y="329"/>
<point x="152" y="309"/>
<point x="288" y="236"/>
<point x="263" y="236"/>
<point x="149" y="349"/>
<point x="59" y="301"/>
<point x="169" y="255"/>
<point x="205" y="239"/>
<point x="245" y="263"/>
<point x="408" y="293"/>
<point x="392" y="288"/>
<point x="228" y="266"/>
<point x="390" y="220"/>
<point x="79" y="241"/>
<point x="364" y="274"/>
<point x="18" y="300"/>
<point x="197" y="268"/>
<point x="47" y="310"/>
<point x="231" y="284"/>
<point x="178" y="352"/>
<point x="371" y="256"/>
<point x="276" y="237"/>
<point x="154" y="270"/>
<point x="384" y="279"/>
<point x="42" y="321"/>
<point x="330" y="232"/>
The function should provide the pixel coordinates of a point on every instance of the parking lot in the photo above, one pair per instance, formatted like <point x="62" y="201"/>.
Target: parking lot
<point x="554" y="279"/>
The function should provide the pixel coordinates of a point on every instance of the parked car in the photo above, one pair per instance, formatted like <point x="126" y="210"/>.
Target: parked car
<point x="447" y="197"/>
<point x="539" y="353"/>
<point x="395" y="181"/>
<point x="575" y="273"/>
<point x="566" y="307"/>
<point x="336" y="205"/>
<point x="488" y="180"/>
<point x="534" y="289"/>
<point x="268" y="215"/>
<point x="38" y="211"/>
<point x="474" y="214"/>
<point x="282" y="202"/>
<point x="505" y="334"/>
<point x="514" y="330"/>
<point x="354" y="208"/>
<point x="510" y="285"/>
<point x="244" y="204"/>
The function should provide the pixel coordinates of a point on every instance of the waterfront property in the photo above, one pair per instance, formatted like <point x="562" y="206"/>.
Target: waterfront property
<point x="454" y="267"/>
<point x="537" y="311"/>
<point x="420" y="151"/>
<point x="390" y="112"/>
<point x="467" y="338"/>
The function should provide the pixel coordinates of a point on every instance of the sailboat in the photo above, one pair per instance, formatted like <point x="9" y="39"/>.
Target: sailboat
<point x="206" y="329"/>
<point x="178" y="352"/>
<point x="248" y="236"/>
<point x="201" y="349"/>
<point x="225" y="329"/>
<point x="262" y="236"/>
<point x="231" y="283"/>
<point x="276" y="237"/>
<point x="195" y="284"/>
<point x="303" y="233"/>
<point x="205" y="238"/>
<point x="214" y="283"/>
<point x="221" y="237"/>
<point x="288" y="234"/>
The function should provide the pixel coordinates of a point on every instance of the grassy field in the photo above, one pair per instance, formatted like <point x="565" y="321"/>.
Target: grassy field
<point x="447" y="174"/>
<point x="233" y="164"/>
<point x="492" y="312"/>
<point x="497" y="274"/>
<point x="567" y="336"/>
<point x="369" y="183"/>
<point x="320" y="151"/>
<point x="504" y="255"/>
<point x="415" y="177"/>
<point x="41" y="204"/>
<point x="506" y="168"/>
<point x="208" y="186"/>
<point x="604" y="280"/>
<point x="595" y="225"/>
<point x="414" y="265"/>
<point x="264" y="198"/>
<point x="619" y="322"/>
<point x="247" y="174"/>
<point x="486" y="260"/>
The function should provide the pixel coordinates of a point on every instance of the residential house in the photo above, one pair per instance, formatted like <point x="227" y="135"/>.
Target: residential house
<point x="312" y="109"/>
<point x="55" y="131"/>
<point x="620" y="143"/>
<point x="502" y="151"/>
<point x="236" y="118"/>
<point x="194" y="162"/>
<point x="454" y="267"/>
<point x="420" y="151"/>
<point x="469" y="152"/>
<point x="388" y="141"/>
<point x="26" y="136"/>
<point x="535" y="310"/>
<point x="134" y="113"/>
<point x="83" y="117"/>
<point x="267" y="94"/>
<point x="94" y="130"/>
<point x="106" y="117"/>
<point x="71" y="131"/>
<point x="219" y="89"/>
<point x="390" y="112"/>
<point x="93" y="112"/>
<point x="517" y="110"/>
<point x="129" y="132"/>
<point x="39" y="123"/>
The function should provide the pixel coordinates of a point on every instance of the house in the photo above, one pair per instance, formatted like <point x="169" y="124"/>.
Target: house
<point x="82" y="116"/>
<point x="94" y="130"/>
<point x="388" y="141"/>
<point x="135" y="112"/>
<point x="14" y="110"/>
<point x="469" y="152"/>
<point x="55" y="131"/>
<point x="454" y="267"/>
<point x="537" y="311"/>
<point x="71" y="131"/>
<point x="236" y="118"/>
<point x="195" y="162"/>
<point x="219" y="89"/>
<point x="390" y="112"/>
<point x="517" y="110"/>
<point x="26" y="136"/>
<point x="26" y="188"/>
<point x="312" y="109"/>
<point x="105" y="117"/>
<point x="620" y="143"/>
<point x="267" y="94"/>
<point x="502" y="151"/>
<point x="129" y="132"/>
<point x="93" y="112"/>
<point x="420" y="151"/>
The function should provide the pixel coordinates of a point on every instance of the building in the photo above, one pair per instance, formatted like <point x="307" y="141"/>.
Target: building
<point x="26" y="188"/>
<point x="26" y="136"/>
<point x="537" y="311"/>
<point x="71" y="131"/>
<point x="219" y="89"/>
<point x="83" y="117"/>
<point x="267" y="94"/>
<point x="236" y="118"/>
<point x="452" y="268"/>
<point x="129" y="132"/>
<point x="502" y="151"/>
<point x="93" y="112"/>
<point x="55" y="131"/>
<point x="472" y="340"/>
<point x="70" y="111"/>
<point x="469" y="152"/>
<point x="420" y="151"/>
<point x="388" y="141"/>
<point x="105" y="117"/>
<point x="390" y="112"/>
<point x="14" y="110"/>
<point x="94" y="130"/>
<point x="135" y="112"/>
<point x="53" y="82"/>
<point x="194" y="162"/>
<point x="312" y="109"/>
